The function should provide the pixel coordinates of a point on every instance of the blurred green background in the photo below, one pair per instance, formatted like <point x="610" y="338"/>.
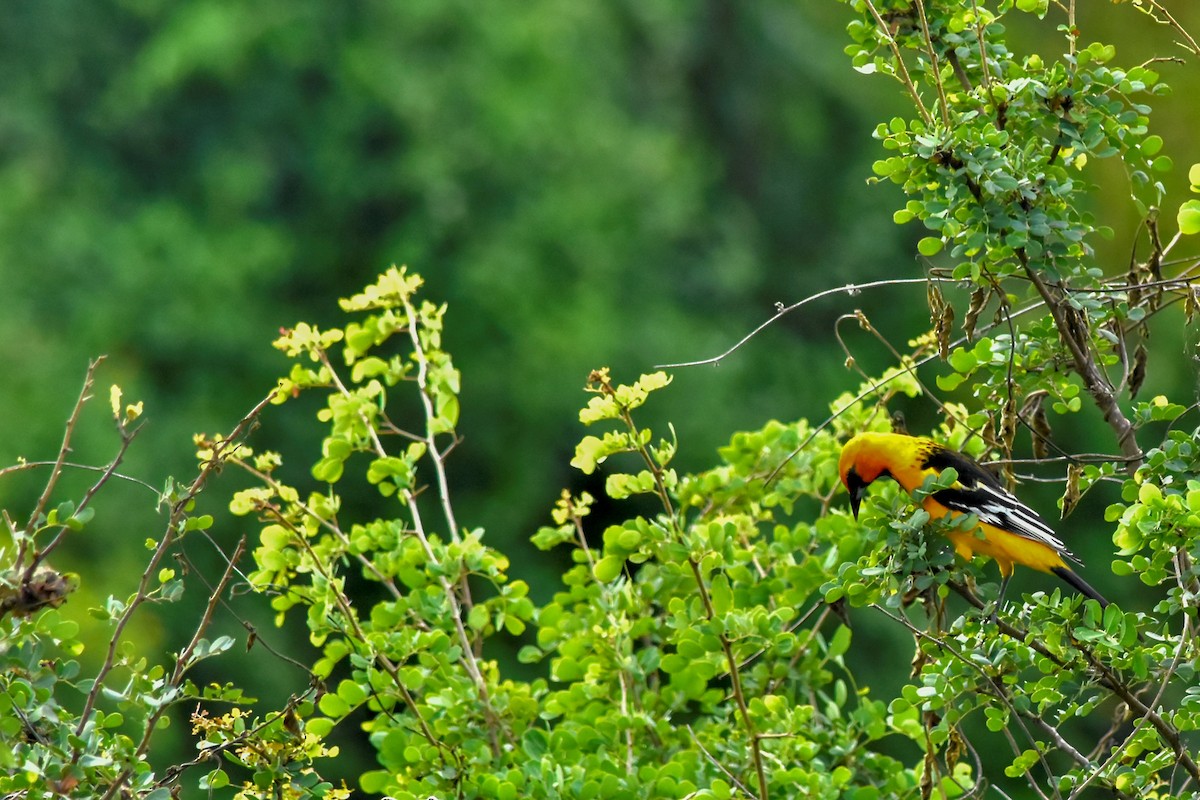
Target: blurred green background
<point x="585" y="184"/>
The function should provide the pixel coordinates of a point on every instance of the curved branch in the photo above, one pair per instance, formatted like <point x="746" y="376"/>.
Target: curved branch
<point x="850" y="289"/>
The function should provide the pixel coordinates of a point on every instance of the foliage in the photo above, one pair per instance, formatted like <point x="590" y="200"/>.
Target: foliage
<point x="998" y="163"/>
<point x="690" y="654"/>
<point x="70" y="729"/>
<point x="223" y="173"/>
<point x="699" y="651"/>
<point x="696" y="651"/>
<point x="701" y="644"/>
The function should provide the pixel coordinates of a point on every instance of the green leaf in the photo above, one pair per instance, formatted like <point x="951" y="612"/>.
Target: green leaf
<point x="80" y="518"/>
<point x="592" y="450"/>
<point x="963" y="361"/>
<point x="840" y="642"/>
<point x="478" y="617"/>
<point x="1189" y="218"/>
<point x="930" y="246"/>
<point x="588" y="453"/>
<point x="1162" y="164"/>
<point x="328" y="470"/>
<point x="948" y="383"/>
<point x="629" y="539"/>
<point x="217" y="779"/>
<point x="608" y="568"/>
<point x="352" y="692"/>
<point x="332" y="705"/>
<point x="375" y="781"/>
<point x="390" y="467"/>
<point x="722" y="594"/>
<point x="318" y="727"/>
<point x="200" y="523"/>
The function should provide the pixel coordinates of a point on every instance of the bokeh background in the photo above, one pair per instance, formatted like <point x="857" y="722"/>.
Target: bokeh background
<point x="585" y="184"/>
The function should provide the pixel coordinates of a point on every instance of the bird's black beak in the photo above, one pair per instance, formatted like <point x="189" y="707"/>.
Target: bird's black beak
<point x="857" y="488"/>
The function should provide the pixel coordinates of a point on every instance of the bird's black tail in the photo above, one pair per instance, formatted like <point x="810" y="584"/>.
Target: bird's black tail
<point x="1079" y="584"/>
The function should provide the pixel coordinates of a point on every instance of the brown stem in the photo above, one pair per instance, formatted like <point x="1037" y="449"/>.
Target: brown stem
<point x="181" y="666"/>
<point x="933" y="64"/>
<point x="1167" y="731"/>
<point x="901" y="68"/>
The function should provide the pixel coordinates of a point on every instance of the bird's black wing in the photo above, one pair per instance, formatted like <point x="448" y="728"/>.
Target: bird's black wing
<point x="979" y="492"/>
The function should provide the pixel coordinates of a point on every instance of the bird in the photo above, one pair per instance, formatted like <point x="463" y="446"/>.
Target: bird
<point x="1009" y="531"/>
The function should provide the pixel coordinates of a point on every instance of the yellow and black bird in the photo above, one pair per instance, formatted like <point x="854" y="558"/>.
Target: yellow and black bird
<point x="1009" y="531"/>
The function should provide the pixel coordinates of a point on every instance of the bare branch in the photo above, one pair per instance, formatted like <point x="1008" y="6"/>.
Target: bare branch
<point x="850" y="289"/>
<point x="39" y="508"/>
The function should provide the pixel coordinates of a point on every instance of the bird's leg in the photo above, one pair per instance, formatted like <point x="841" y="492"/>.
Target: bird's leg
<point x="999" y="602"/>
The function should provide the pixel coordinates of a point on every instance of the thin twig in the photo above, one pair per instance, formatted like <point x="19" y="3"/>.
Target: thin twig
<point x="1105" y="677"/>
<point x="735" y="674"/>
<point x="333" y="529"/>
<point x="1191" y="43"/>
<point x="40" y="507"/>
<point x="935" y="70"/>
<point x="181" y="667"/>
<point x="850" y="289"/>
<point x="454" y="599"/>
<point x="995" y="689"/>
<point x="717" y="763"/>
<point x="75" y="465"/>
<point x="984" y="68"/>
<point x="439" y="464"/>
<point x="179" y="510"/>
<point x="109" y="472"/>
<point x="903" y="70"/>
<point x="1094" y="380"/>
<point x="1117" y="752"/>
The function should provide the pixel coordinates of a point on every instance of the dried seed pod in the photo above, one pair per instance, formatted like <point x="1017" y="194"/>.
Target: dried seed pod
<point x="1008" y="432"/>
<point x="979" y="299"/>
<point x="1134" y="280"/>
<point x="1008" y="424"/>
<point x="1137" y="375"/>
<point x="944" y="329"/>
<point x="1033" y="411"/>
<point x="955" y="747"/>
<point x="1071" y="496"/>
<point x="941" y="316"/>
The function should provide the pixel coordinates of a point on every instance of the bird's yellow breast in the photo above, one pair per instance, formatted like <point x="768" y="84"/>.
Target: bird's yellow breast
<point x="1004" y="547"/>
